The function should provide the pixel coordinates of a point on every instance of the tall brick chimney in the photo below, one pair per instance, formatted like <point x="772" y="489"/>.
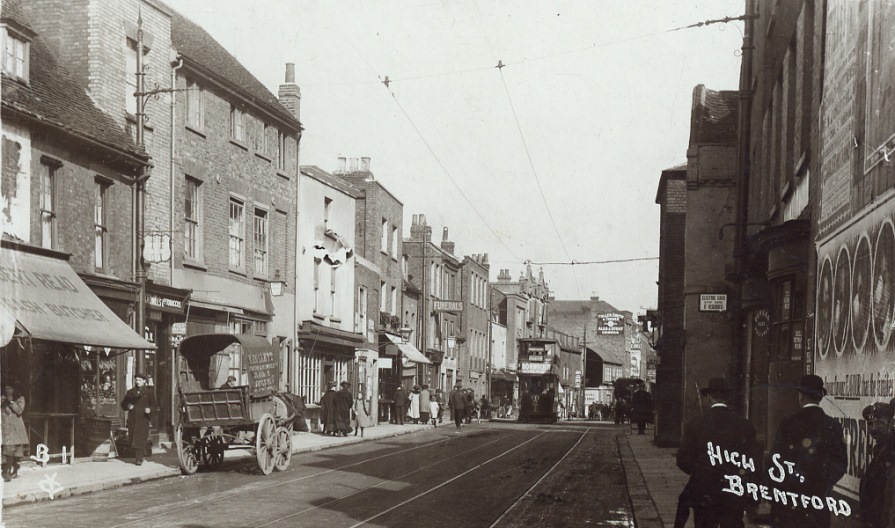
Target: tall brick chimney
<point x="504" y="276"/>
<point x="419" y="230"/>
<point x="446" y="244"/>
<point x="289" y="93"/>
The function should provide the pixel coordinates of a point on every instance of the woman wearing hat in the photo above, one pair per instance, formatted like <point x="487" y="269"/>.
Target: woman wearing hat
<point x="139" y="403"/>
<point x="415" y="404"/>
<point x="15" y="436"/>
<point x="878" y="483"/>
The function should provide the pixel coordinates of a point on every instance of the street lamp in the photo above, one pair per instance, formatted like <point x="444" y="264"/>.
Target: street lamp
<point x="405" y="333"/>
<point x="277" y="285"/>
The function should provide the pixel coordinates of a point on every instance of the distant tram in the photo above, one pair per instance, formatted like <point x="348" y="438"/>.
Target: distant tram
<point x="538" y="380"/>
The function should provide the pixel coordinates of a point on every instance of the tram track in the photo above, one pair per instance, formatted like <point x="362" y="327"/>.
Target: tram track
<point x="242" y="492"/>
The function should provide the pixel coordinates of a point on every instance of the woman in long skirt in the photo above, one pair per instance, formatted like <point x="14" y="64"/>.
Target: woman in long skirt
<point x="415" y="404"/>
<point x="15" y="436"/>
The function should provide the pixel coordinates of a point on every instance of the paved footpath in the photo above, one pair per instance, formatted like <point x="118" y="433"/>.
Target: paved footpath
<point x="36" y="483"/>
<point x="654" y="481"/>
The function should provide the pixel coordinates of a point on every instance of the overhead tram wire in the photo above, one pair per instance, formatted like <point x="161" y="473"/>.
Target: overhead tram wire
<point x="385" y="82"/>
<point x="574" y="262"/>
<point x="500" y="66"/>
<point x="448" y="174"/>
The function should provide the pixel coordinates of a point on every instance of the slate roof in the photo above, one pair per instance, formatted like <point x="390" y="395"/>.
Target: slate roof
<point x="326" y="178"/>
<point x="715" y="116"/>
<point x="196" y="45"/>
<point x="577" y="307"/>
<point x="53" y="97"/>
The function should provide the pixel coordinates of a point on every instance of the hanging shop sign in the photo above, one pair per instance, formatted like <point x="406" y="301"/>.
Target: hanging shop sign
<point x="448" y="306"/>
<point x="164" y="304"/>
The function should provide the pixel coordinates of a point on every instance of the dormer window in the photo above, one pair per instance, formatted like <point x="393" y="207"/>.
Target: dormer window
<point x="15" y="55"/>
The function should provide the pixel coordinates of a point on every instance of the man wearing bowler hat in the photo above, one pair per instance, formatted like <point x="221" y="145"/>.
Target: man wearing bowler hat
<point x="139" y="402"/>
<point x="877" y="492"/>
<point x="716" y="431"/>
<point x="813" y="441"/>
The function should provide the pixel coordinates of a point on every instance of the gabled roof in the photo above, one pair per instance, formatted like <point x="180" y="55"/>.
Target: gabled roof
<point x="200" y="48"/>
<point x="53" y="98"/>
<point x="328" y="179"/>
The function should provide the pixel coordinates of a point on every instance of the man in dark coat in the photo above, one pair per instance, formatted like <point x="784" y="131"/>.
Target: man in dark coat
<point x="344" y="402"/>
<point x="713" y="507"/>
<point x="139" y="402"/>
<point x="643" y="408"/>
<point x="457" y="404"/>
<point x="877" y="492"/>
<point x="813" y="442"/>
<point x="328" y="409"/>
<point x="400" y="405"/>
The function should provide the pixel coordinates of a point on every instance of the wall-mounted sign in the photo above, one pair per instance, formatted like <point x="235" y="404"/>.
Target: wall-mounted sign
<point x="164" y="304"/>
<point x="178" y="329"/>
<point x="448" y="306"/>
<point x="384" y="363"/>
<point x="713" y="302"/>
<point x="156" y="248"/>
<point x="534" y="368"/>
<point x="610" y="324"/>
<point x="761" y="322"/>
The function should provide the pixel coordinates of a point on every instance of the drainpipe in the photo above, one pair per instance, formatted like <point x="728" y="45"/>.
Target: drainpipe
<point x="740" y="251"/>
<point x="171" y="166"/>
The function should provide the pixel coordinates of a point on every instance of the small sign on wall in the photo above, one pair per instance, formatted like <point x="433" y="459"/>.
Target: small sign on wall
<point x="713" y="302"/>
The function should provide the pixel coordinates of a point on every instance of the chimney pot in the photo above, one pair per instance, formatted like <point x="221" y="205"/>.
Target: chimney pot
<point x="422" y="219"/>
<point x="352" y="164"/>
<point x="365" y="164"/>
<point x="341" y="163"/>
<point x="444" y="234"/>
<point x="290" y="72"/>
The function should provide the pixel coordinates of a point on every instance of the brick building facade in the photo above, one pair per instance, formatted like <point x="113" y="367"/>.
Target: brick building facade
<point x="475" y="322"/>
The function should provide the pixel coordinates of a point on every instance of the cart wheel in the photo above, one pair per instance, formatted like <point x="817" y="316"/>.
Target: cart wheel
<point x="187" y="454"/>
<point x="284" y="448"/>
<point x="213" y="454"/>
<point x="266" y="444"/>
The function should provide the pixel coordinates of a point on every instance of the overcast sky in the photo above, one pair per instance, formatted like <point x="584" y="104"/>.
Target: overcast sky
<point x="570" y="137"/>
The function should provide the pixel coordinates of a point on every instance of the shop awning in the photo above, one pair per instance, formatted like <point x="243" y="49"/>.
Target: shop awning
<point x="409" y="351"/>
<point x="49" y="301"/>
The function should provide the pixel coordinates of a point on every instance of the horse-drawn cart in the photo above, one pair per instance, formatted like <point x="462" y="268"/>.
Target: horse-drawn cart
<point x="249" y="414"/>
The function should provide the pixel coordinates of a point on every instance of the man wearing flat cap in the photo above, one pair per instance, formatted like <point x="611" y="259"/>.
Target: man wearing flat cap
<point x="139" y="402"/>
<point x="814" y="442"/>
<point x="878" y="483"/>
<point x="724" y="430"/>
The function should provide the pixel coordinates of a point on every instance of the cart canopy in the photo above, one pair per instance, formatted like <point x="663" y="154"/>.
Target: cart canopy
<point x="209" y="358"/>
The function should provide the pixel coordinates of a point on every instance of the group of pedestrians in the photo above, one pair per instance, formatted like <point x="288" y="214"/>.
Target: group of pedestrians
<point x="421" y="405"/>
<point x="806" y="459"/>
<point x="342" y="413"/>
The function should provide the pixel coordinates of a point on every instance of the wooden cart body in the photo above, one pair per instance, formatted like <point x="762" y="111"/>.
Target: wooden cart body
<point x="249" y="416"/>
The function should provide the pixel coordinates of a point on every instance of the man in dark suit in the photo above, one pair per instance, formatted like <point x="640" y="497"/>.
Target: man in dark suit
<point x="457" y="404"/>
<point x="713" y="507"/>
<point x="643" y="408"/>
<point x="139" y="402"/>
<point x="400" y="405"/>
<point x="813" y="442"/>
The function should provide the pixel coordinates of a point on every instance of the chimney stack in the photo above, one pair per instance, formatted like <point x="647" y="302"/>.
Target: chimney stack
<point x="504" y="276"/>
<point x="419" y="231"/>
<point x="446" y="244"/>
<point x="289" y="93"/>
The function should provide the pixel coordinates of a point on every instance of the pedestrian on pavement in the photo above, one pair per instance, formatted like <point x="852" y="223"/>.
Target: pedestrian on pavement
<point x="457" y="404"/>
<point x="361" y="414"/>
<point x="484" y="408"/>
<point x="425" y="398"/>
<point x="814" y="442"/>
<point x="328" y="409"/>
<point x="435" y="410"/>
<point x="400" y="405"/>
<point x="15" y="436"/>
<point x="713" y="507"/>
<point x="344" y="403"/>
<point x="414" y="411"/>
<point x="621" y="411"/>
<point x="470" y="404"/>
<point x="139" y="403"/>
<point x="439" y="399"/>
<point x="877" y="491"/>
<point x="642" y="408"/>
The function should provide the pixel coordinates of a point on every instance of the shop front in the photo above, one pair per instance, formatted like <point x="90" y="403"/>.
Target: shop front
<point x="65" y="350"/>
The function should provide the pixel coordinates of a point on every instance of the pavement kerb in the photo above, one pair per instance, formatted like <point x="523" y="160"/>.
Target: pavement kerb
<point x="646" y="514"/>
<point x="34" y="493"/>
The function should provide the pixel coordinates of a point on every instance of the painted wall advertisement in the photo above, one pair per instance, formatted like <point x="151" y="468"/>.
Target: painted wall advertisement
<point x="610" y="324"/>
<point x="855" y="346"/>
